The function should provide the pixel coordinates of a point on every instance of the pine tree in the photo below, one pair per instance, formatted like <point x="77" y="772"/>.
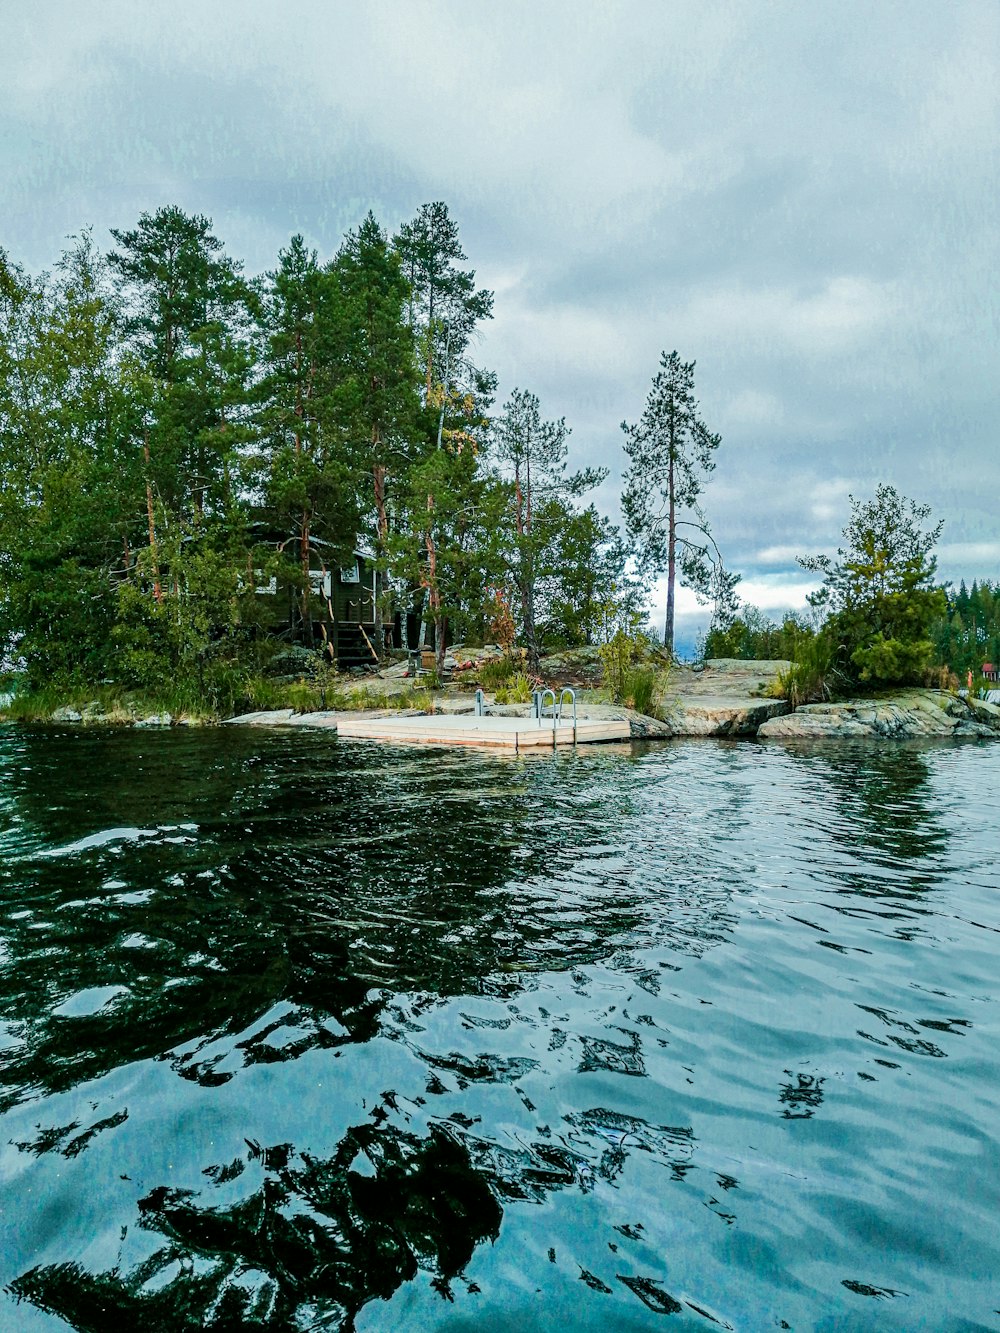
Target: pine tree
<point x="530" y="454"/>
<point x="444" y="305"/>
<point x="670" y="451"/>
<point x="304" y="456"/>
<point x="880" y="590"/>
<point x="191" y="320"/>
<point x="69" y="476"/>
<point x="379" y="400"/>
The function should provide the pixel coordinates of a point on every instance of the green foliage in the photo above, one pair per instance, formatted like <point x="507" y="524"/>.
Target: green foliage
<point x="444" y="304"/>
<point x="517" y="690"/>
<point x="496" y="673"/>
<point x="883" y="661"/>
<point x="751" y="636"/>
<point x="670" y="452"/>
<point x="812" y="676"/>
<point x="589" y="588"/>
<point x="618" y="657"/>
<point x="641" y="690"/>
<point x="879" y="592"/>
<point x="967" y="635"/>
<point x="535" y="519"/>
<point x="172" y="435"/>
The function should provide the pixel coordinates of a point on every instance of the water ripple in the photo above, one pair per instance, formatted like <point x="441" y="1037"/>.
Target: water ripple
<point x="297" y="1035"/>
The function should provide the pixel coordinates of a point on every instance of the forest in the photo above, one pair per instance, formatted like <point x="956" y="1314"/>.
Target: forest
<point x="177" y="437"/>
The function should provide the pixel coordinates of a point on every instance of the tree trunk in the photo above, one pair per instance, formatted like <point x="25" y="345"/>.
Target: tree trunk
<point x="526" y="572"/>
<point x="377" y="616"/>
<point x="528" y="614"/>
<point x="157" y="585"/>
<point x="434" y="592"/>
<point x="668" y="628"/>
<point x="305" y="562"/>
<point x="382" y="518"/>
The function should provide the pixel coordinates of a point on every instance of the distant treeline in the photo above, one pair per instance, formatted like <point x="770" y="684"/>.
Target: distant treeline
<point x="968" y="635"/>
<point x="965" y="638"/>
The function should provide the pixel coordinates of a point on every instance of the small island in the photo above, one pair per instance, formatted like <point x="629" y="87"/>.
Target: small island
<point x="228" y="496"/>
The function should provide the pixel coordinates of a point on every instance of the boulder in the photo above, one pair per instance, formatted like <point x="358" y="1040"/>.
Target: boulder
<point x="905" y="715"/>
<point x="67" y="715"/>
<point x="451" y="706"/>
<point x="722" y="715"/>
<point x="275" y="718"/>
<point x="742" y="666"/>
<point x="733" y="677"/>
<point x="155" y="720"/>
<point x="647" y="728"/>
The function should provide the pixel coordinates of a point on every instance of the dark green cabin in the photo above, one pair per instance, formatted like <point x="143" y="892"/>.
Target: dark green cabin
<point x="341" y="610"/>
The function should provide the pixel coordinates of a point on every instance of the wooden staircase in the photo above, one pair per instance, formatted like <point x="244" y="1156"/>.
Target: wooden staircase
<point x="355" y="644"/>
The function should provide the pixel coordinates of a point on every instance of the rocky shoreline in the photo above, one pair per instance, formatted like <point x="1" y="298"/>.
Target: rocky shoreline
<point x="727" y="698"/>
<point x="906" y="715"/>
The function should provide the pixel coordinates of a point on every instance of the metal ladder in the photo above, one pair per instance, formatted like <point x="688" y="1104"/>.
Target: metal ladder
<point x="539" y="705"/>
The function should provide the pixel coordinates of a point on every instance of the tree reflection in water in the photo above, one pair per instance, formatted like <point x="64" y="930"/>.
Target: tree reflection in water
<point x="884" y="800"/>
<point x="315" y="1242"/>
<point x="287" y="898"/>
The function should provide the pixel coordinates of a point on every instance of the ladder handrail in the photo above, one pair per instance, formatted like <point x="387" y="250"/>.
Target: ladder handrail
<point x="566" y="690"/>
<point x="480" y="704"/>
<point x="540" y="705"/>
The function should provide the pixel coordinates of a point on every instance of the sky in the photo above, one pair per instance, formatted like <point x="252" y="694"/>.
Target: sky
<point x="800" y="198"/>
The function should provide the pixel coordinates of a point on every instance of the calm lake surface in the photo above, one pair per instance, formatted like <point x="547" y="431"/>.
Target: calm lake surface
<point x="305" y="1034"/>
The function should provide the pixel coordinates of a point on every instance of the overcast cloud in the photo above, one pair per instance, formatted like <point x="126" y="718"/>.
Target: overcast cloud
<point x="801" y="198"/>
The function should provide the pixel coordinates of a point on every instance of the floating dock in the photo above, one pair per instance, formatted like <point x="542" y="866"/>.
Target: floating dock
<point x="512" y="733"/>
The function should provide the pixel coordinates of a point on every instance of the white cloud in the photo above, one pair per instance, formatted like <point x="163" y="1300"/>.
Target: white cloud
<point x="752" y="408"/>
<point x="838" y="315"/>
<point x="776" y="555"/>
<point x="969" y="553"/>
<point x="802" y="199"/>
<point x="770" y="594"/>
<point x="829" y="500"/>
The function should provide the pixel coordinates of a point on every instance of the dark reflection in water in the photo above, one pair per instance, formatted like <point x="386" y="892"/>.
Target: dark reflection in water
<point x="315" y="1240"/>
<point x="882" y="800"/>
<point x="164" y="908"/>
<point x="297" y="1034"/>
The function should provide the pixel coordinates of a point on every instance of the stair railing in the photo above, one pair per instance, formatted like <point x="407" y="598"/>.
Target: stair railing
<point x="564" y="692"/>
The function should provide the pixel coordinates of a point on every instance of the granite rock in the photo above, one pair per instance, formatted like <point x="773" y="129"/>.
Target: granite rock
<point x="905" y="715"/>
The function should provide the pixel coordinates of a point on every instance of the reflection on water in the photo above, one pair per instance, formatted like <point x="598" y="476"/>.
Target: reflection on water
<point x="315" y="1239"/>
<point x="304" y="1034"/>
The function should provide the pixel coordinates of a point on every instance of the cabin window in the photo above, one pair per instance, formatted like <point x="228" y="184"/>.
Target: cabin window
<point x="320" y="583"/>
<point x="262" y="585"/>
<point x="350" y="574"/>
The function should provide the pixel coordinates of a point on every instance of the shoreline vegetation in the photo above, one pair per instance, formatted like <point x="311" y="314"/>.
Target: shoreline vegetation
<point x="733" y="698"/>
<point x="212" y="484"/>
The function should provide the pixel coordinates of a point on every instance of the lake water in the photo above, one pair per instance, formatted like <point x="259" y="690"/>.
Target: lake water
<point x="304" y="1034"/>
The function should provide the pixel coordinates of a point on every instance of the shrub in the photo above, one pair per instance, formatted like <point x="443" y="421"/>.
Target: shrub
<point x="812" y="675"/>
<point x="617" y="657"/>
<point x="517" y="691"/>
<point x="496" y="672"/>
<point x="891" y="661"/>
<point x="641" y="690"/>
